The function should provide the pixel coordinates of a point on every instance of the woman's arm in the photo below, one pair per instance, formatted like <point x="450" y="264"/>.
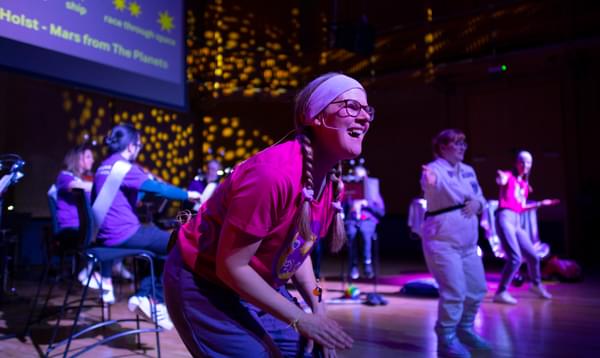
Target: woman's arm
<point x="502" y="177"/>
<point x="428" y="178"/>
<point x="538" y="204"/>
<point x="305" y="281"/>
<point x="476" y="204"/>
<point x="168" y="191"/>
<point x="233" y="269"/>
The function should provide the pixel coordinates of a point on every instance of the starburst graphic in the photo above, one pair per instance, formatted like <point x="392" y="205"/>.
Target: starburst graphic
<point x="120" y="4"/>
<point x="135" y="9"/>
<point x="166" y="21"/>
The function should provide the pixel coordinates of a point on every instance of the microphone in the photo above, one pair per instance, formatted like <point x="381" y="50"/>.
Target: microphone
<point x="329" y="127"/>
<point x="325" y="125"/>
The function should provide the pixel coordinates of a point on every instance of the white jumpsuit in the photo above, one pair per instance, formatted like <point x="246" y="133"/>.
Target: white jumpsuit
<point x="450" y="244"/>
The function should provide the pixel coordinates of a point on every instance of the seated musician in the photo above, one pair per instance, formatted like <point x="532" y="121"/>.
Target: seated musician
<point x="77" y="166"/>
<point x="77" y="174"/>
<point x="117" y="183"/>
<point x="206" y="184"/>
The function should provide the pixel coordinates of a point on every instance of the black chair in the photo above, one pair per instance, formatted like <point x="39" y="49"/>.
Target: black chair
<point x="58" y="244"/>
<point x="97" y="255"/>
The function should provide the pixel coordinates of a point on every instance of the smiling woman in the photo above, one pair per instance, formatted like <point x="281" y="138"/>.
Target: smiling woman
<point x="225" y="278"/>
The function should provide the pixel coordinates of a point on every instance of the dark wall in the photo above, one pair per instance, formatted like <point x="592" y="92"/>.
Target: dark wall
<point x="34" y="126"/>
<point x="547" y="103"/>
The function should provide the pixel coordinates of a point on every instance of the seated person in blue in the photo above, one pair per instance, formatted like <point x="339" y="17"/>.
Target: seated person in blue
<point x="362" y="216"/>
<point x="117" y="183"/>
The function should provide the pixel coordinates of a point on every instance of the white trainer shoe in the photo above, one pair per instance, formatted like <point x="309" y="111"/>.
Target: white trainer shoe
<point x="94" y="281"/>
<point x="142" y="304"/>
<point x="82" y="275"/>
<point x="540" y="291"/>
<point x="505" y="298"/>
<point x="108" y="295"/>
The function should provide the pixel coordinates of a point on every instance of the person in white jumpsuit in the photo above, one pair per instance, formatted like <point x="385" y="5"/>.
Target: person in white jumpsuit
<point x="450" y="233"/>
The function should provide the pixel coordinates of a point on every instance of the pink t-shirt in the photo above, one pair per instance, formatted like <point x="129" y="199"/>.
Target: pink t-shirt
<point x="513" y="195"/>
<point x="260" y="198"/>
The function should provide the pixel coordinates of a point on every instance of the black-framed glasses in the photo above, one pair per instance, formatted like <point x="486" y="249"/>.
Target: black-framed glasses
<point x="353" y="108"/>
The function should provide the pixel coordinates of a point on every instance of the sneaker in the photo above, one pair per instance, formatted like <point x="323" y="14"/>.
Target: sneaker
<point x="163" y="316"/>
<point x="94" y="281"/>
<point x="504" y="297"/>
<point x="540" y="291"/>
<point x="108" y="295"/>
<point x="83" y="274"/>
<point x="121" y="271"/>
<point x="472" y="339"/>
<point x="354" y="273"/>
<point x="142" y="304"/>
<point x="451" y="347"/>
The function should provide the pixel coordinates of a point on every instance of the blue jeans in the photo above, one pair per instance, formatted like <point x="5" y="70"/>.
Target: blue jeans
<point x="148" y="237"/>
<point x="366" y="230"/>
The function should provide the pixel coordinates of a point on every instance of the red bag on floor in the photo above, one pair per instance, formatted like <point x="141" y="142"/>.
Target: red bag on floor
<point x="562" y="269"/>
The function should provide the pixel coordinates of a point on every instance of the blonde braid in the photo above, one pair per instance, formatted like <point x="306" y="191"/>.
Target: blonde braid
<point x="338" y="230"/>
<point x="304" y="215"/>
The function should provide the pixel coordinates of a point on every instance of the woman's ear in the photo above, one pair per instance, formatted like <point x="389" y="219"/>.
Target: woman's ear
<point x="319" y="120"/>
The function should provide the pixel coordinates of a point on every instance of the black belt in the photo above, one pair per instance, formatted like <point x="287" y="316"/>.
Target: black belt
<point x="444" y="210"/>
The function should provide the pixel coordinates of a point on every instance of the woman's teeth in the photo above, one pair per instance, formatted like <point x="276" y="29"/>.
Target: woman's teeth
<point x="355" y="132"/>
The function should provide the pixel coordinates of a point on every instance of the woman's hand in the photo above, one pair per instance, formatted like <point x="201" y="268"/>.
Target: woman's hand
<point x="194" y="196"/>
<point x="428" y="175"/>
<point x="502" y="177"/>
<point x="471" y="208"/>
<point x="549" y="202"/>
<point x="327" y="352"/>
<point x="324" y="331"/>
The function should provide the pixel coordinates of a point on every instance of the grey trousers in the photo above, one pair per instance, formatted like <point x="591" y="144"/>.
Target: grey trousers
<point x="461" y="278"/>
<point x="517" y="245"/>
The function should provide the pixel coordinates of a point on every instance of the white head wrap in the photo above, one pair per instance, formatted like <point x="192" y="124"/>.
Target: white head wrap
<point x="326" y="92"/>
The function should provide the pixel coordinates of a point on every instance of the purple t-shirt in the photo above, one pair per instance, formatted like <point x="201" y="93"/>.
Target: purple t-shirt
<point x="197" y="185"/>
<point x="120" y="222"/>
<point x="66" y="207"/>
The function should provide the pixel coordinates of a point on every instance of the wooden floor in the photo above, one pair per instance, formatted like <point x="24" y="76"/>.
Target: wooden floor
<point x="566" y="326"/>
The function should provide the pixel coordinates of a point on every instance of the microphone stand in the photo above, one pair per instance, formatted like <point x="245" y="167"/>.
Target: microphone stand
<point x="374" y="298"/>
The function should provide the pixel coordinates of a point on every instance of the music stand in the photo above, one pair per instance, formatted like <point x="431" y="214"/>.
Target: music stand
<point x="12" y="176"/>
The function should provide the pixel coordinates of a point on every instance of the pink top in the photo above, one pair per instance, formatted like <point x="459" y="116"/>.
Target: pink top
<point x="260" y="198"/>
<point x="513" y="195"/>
